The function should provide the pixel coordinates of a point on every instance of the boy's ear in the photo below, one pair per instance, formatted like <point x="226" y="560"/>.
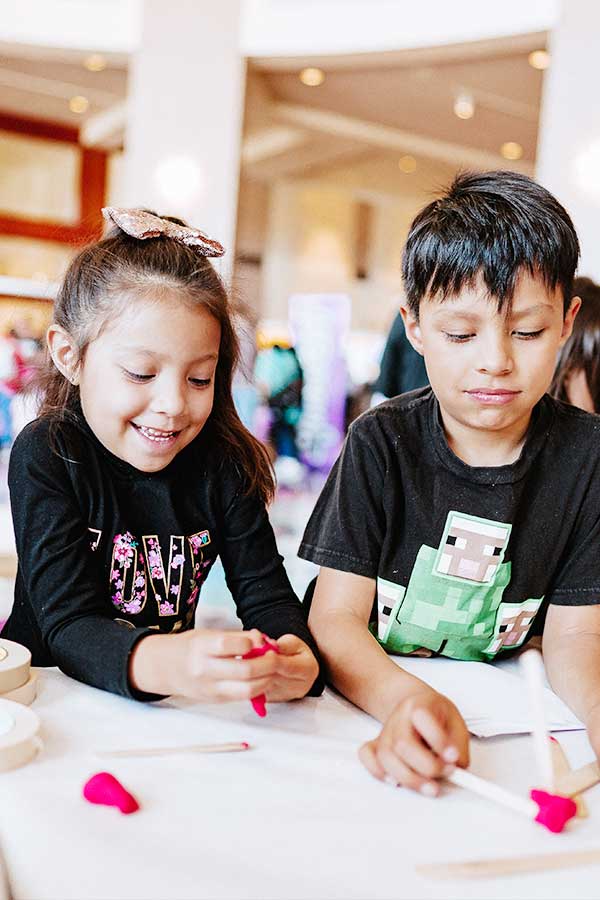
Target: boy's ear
<point x="63" y="351"/>
<point x="569" y="319"/>
<point x="412" y="328"/>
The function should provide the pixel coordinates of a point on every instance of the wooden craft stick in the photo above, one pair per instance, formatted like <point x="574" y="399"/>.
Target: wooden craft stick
<point x="491" y="868"/>
<point x="579" y="780"/>
<point x="168" y="751"/>
<point x="533" y="669"/>
<point x="560" y="767"/>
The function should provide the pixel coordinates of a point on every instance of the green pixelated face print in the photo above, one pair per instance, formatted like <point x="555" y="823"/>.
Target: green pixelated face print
<point x="453" y="602"/>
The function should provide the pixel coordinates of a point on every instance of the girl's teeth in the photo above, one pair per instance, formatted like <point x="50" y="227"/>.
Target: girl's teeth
<point x="155" y="435"/>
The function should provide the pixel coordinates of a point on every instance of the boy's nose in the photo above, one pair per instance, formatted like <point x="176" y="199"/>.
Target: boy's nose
<point x="496" y="358"/>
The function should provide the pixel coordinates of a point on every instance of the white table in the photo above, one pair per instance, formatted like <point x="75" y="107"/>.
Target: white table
<point x="295" y="817"/>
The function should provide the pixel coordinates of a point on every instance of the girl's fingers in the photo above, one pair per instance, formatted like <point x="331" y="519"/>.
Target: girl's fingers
<point x="230" y="643"/>
<point x="222" y="669"/>
<point x="240" y="690"/>
<point x="435" y="734"/>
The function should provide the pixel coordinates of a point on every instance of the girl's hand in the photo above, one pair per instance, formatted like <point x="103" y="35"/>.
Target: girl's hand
<point x="424" y="739"/>
<point x="295" y="669"/>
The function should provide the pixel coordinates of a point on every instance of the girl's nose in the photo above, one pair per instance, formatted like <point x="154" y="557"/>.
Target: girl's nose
<point x="169" y="398"/>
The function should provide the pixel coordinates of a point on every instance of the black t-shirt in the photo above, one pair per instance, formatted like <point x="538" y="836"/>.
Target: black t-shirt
<point x="108" y="554"/>
<point x="465" y="558"/>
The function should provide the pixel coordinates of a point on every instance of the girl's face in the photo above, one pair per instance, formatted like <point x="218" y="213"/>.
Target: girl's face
<point x="147" y="382"/>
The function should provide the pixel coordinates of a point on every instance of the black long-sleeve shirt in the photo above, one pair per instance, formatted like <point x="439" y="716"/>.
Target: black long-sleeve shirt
<point x="108" y="554"/>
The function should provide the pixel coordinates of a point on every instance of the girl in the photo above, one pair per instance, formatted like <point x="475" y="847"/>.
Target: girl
<point x="138" y="474"/>
<point x="577" y="374"/>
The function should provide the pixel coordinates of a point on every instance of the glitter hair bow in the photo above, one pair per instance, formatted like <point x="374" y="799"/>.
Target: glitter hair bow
<point x="143" y="225"/>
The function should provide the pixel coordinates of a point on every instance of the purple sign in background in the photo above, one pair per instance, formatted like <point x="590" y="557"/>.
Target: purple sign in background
<point x="319" y="324"/>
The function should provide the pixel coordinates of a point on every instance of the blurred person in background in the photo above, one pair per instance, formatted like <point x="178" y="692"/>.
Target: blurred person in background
<point x="577" y="375"/>
<point x="402" y="369"/>
<point x="279" y="379"/>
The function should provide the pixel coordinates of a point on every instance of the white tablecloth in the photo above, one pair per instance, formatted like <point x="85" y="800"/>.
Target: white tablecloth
<point x="295" y="817"/>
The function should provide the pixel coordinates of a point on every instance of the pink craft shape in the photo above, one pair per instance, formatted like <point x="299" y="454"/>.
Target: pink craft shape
<point x="259" y="702"/>
<point x="554" y="811"/>
<point x="104" y="788"/>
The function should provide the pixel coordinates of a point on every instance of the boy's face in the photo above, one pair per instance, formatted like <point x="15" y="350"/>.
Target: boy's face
<point x="489" y="369"/>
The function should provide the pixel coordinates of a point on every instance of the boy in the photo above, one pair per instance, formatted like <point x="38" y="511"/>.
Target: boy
<point x="469" y="511"/>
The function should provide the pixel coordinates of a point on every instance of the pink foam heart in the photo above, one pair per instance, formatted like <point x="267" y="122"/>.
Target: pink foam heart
<point x="554" y="811"/>
<point x="104" y="788"/>
<point x="259" y="702"/>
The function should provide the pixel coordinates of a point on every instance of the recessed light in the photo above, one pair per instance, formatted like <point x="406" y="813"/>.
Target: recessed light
<point x="95" y="62"/>
<point x="511" y="150"/>
<point x="464" y="106"/>
<point x="312" y="77"/>
<point x="78" y="104"/>
<point x="539" y="59"/>
<point x="407" y="164"/>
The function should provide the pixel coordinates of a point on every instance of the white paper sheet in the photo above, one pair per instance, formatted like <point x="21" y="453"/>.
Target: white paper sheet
<point x="491" y="697"/>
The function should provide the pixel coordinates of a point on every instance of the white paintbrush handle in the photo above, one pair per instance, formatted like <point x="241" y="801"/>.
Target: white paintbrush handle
<point x="533" y="669"/>
<point x="494" y="792"/>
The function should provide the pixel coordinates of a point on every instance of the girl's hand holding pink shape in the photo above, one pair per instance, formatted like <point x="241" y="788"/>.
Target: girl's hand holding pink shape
<point x="423" y="740"/>
<point x="295" y="669"/>
<point x="203" y="664"/>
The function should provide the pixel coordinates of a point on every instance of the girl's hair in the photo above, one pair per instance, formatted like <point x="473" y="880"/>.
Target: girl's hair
<point x="96" y="288"/>
<point x="582" y="350"/>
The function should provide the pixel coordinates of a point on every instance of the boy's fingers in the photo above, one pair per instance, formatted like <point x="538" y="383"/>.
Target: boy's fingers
<point x="368" y="758"/>
<point x="420" y="758"/>
<point x="435" y="734"/>
<point x="459" y="738"/>
<point x="398" y="771"/>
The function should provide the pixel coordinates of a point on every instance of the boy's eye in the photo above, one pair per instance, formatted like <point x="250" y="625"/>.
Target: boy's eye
<point x="529" y="335"/>
<point x="200" y="382"/>
<point x="135" y="376"/>
<point x="457" y="338"/>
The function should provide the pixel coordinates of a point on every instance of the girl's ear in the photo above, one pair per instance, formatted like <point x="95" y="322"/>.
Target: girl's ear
<point x="63" y="351"/>
<point x="412" y="328"/>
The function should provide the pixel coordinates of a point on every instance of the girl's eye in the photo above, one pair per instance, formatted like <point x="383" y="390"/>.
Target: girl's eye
<point x="457" y="338"/>
<point x="529" y="335"/>
<point x="135" y="376"/>
<point x="200" y="382"/>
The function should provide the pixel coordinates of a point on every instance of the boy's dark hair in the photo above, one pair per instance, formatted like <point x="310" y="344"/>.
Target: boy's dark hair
<point x="493" y="224"/>
<point x="98" y="285"/>
<point x="581" y="352"/>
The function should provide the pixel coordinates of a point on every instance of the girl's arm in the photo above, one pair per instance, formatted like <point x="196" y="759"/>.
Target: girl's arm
<point x="263" y="595"/>
<point x="571" y="647"/>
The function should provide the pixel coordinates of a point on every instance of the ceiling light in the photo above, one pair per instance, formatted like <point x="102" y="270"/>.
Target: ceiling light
<point x="464" y="106"/>
<point x="95" y="62"/>
<point x="312" y="77"/>
<point x="539" y="59"/>
<point x="78" y="104"/>
<point x="407" y="164"/>
<point x="511" y="150"/>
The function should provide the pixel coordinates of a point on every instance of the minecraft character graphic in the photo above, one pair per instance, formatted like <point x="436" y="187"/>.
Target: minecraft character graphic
<point x="453" y="602"/>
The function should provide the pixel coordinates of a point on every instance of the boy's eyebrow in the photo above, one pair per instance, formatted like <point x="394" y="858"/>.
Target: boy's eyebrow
<point x="453" y="312"/>
<point x="537" y="307"/>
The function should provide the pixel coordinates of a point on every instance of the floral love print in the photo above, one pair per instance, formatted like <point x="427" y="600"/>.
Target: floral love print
<point x="127" y="575"/>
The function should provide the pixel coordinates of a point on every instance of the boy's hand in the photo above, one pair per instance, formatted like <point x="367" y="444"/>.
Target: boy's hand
<point x="295" y="669"/>
<point x="424" y="738"/>
<point x="593" y="729"/>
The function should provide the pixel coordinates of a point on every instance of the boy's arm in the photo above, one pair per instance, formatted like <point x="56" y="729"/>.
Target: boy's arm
<point x="571" y="646"/>
<point x="357" y="665"/>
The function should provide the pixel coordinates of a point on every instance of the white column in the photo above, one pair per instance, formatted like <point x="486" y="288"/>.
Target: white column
<point x="569" y="140"/>
<point x="183" y="135"/>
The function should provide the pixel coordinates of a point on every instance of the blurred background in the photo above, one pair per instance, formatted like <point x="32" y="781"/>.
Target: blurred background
<point x="302" y="134"/>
